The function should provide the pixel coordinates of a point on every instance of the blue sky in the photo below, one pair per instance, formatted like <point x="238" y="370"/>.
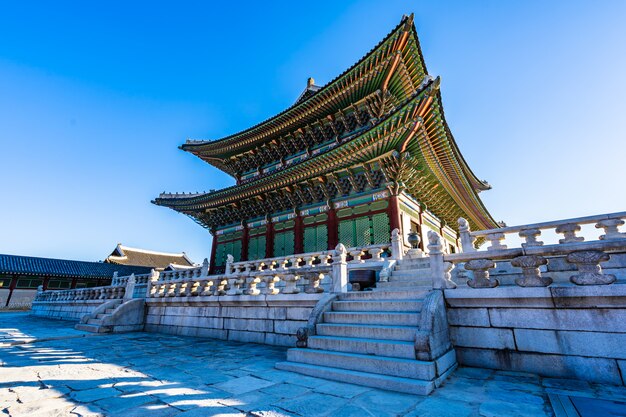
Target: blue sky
<point x="95" y="97"/>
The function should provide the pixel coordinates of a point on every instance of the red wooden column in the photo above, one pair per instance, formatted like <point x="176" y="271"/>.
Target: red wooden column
<point x="11" y="288"/>
<point x="74" y="281"/>
<point x="333" y="228"/>
<point x="244" y="242"/>
<point x="213" y="250"/>
<point x="45" y="283"/>
<point x="269" y="238"/>
<point x="393" y="211"/>
<point x="298" y="234"/>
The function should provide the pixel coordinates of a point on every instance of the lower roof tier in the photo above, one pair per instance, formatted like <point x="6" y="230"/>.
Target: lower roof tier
<point x="410" y="149"/>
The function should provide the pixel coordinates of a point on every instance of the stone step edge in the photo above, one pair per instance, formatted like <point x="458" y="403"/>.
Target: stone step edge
<point x="371" y="326"/>
<point x="385" y="382"/>
<point x="383" y="365"/>
<point x="363" y="340"/>
<point x="416" y="312"/>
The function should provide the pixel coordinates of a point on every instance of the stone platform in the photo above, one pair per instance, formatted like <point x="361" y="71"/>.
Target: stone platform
<point x="136" y="374"/>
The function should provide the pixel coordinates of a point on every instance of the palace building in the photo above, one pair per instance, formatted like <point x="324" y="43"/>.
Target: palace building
<point x="347" y="163"/>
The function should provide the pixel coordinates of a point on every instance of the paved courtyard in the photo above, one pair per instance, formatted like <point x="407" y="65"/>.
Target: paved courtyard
<point x="141" y="374"/>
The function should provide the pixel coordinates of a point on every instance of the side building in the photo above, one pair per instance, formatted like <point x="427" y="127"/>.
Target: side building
<point x="124" y="255"/>
<point x="21" y="275"/>
<point x="348" y="163"/>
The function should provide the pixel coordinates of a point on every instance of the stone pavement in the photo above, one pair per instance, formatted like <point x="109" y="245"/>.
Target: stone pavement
<point x="137" y="374"/>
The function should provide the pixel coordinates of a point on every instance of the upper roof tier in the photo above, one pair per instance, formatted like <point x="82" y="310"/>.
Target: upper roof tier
<point x="395" y="65"/>
<point x="124" y="255"/>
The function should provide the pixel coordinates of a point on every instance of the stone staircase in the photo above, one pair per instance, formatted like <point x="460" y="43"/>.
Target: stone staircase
<point x="114" y="316"/>
<point x="395" y="338"/>
<point x="408" y="274"/>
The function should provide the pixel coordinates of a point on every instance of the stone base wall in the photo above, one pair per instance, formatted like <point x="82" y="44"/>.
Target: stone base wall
<point x="271" y="319"/>
<point x="20" y="297"/>
<point x="64" y="310"/>
<point x="564" y="331"/>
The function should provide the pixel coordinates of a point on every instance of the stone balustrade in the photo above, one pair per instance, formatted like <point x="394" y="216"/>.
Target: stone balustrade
<point x="609" y="223"/>
<point x="289" y="274"/>
<point x="533" y="255"/>
<point x="80" y="294"/>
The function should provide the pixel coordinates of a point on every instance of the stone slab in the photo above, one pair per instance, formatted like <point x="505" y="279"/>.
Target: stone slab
<point x="595" y="344"/>
<point x="482" y="337"/>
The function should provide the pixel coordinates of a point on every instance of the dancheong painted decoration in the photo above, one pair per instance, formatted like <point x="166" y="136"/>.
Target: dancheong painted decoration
<point x="349" y="162"/>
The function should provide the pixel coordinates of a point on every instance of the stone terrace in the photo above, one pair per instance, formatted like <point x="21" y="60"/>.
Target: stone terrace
<point x="136" y="374"/>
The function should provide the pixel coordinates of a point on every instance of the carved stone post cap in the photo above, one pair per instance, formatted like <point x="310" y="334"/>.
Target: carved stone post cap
<point x="587" y="257"/>
<point x="529" y="261"/>
<point x="479" y="264"/>
<point x="463" y="225"/>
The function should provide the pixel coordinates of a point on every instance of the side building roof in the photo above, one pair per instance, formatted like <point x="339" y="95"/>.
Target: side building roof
<point x="64" y="268"/>
<point x="124" y="255"/>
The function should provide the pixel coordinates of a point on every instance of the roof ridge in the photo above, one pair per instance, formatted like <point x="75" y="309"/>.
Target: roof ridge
<point x="151" y="252"/>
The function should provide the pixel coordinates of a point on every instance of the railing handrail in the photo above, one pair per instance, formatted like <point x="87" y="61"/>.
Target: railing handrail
<point x="551" y="224"/>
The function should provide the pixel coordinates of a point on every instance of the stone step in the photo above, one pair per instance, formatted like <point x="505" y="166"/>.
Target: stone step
<point x="413" y="264"/>
<point x="378" y="347"/>
<point x="370" y="331"/>
<point x="377" y="305"/>
<point x="109" y="311"/>
<point x="402" y="285"/>
<point x="97" y="322"/>
<point x="404" y="368"/>
<point x="92" y="328"/>
<point x="101" y="316"/>
<point x="406" y="385"/>
<point x="411" y="274"/>
<point x="383" y="295"/>
<point x="378" y="317"/>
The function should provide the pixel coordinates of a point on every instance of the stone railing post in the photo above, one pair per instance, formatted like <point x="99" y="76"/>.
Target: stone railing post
<point x="590" y="271"/>
<point x="114" y="279"/>
<point x="611" y="230"/>
<point x="397" y="251"/>
<point x="290" y="284"/>
<point x="440" y="273"/>
<point x="204" y="271"/>
<point x="530" y="269"/>
<point x="340" y="270"/>
<point x="568" y="231"/>
<point x="495" y="240"/>
<point x="480" y="271"/>
<point x="152" y="278"/>
<point x="229" y="264"/>
<point x="130" y="287"/>
<point x="530" y="235"/>
<point x="467" y="241"/>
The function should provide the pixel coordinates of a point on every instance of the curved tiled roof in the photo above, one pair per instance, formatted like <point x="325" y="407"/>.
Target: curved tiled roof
<point x="64" y="268"/>
<point x="123" y="255"/>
